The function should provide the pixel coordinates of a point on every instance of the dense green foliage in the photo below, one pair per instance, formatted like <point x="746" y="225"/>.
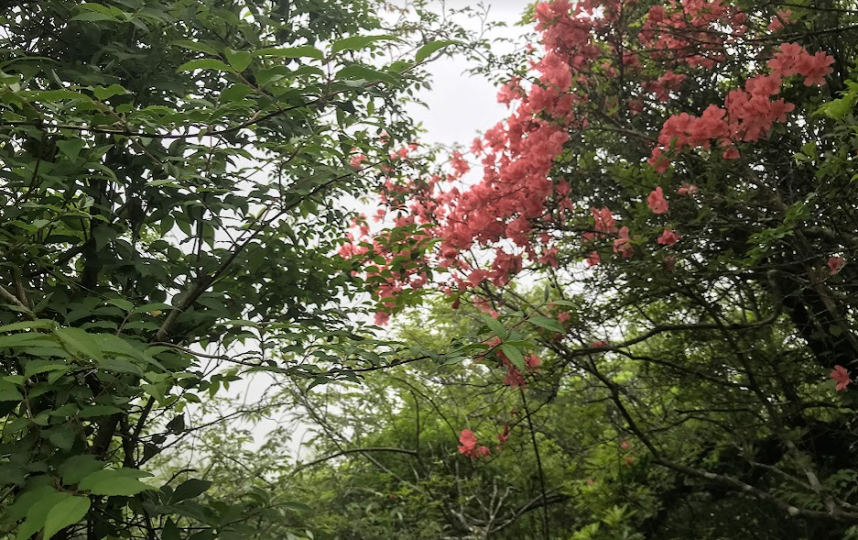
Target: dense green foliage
<point x="171" y="178"/>
<point x="178" y="175"/>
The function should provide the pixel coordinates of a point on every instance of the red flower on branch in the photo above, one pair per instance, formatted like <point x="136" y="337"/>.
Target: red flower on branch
<point x="835" y="263"/>
<point x="656" y="201"/>
<point x="841" y="375"/>
<point x="668" y="237"/>
<point x="469" y="445"/>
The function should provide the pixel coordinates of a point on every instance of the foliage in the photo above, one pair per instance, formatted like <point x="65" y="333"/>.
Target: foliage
<point x="678" y="179"/>
<point x="171" y="188"/>
<point x="638" y="323"/>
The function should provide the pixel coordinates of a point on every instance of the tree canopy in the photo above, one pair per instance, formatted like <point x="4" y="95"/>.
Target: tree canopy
<point x="625" y="311"/>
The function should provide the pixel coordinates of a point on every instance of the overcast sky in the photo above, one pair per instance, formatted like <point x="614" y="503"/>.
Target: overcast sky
<point x="459" y="104"/>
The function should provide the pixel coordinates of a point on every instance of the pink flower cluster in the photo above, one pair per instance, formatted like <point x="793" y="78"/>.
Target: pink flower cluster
<point x="748" y="114"/>
<point x="469" y="445"/>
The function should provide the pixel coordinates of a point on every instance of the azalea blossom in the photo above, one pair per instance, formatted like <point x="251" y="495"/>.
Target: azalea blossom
<point x="355" y="161"/>
<point x="688" y="189"/>
<point x="777" y="22"/>
<point x="841" y="375"/>
<point x="659" y="161"/>
<point x="622" y="245"/>
<point x="656" y="201"/>
<point x="469" y="445"/>
<point x="731" y="153"/>
<point x="668" y="237"/>
<point x="835" y="263"/>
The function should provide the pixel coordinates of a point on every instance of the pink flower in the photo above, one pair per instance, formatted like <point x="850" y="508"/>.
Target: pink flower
<point x="835" y="263"/>
<point x="622" y="245"/>
<point x="764" y="85"/>
<point x="468" y="440"/>
<point x="814" y="68"/>
<point x="660" y="163"/>
<point x="513" y="377"/>
<point x="657" y="202"/>
<point x="603" y="219"/>
<point x="533" y="362"/>
<point x="840" y="375"/>
<point x="775" y="25"/>
<point x="625" y="445"/>
<point x="357" y="160"/>
<point x="599" y="344"/>
<point x="593" y="259"/>
<point x="668" y="237"/>
<point x="731" y="153"/>
<point x="777" y="22"/>
<point x="688" y="189"/>
<point x="469" y="445"/>
<point x="784" y="62"/>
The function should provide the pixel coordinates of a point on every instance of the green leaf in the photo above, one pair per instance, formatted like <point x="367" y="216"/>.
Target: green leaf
<point x="71" y="148"/>
<point x="205" y="63"/>
<point x="107" y="10"/>
<point x="548" y="324"/>
<point x="305" y="51"/>
<point x="25" y="501"/>
<point x="170" y="531"/>
<point x="9" y="392"/>
<point x="114" y="482"/>
<point x="38" y="514"/>
<point x="46" y="96"/>
<point x="98" y="410"/>
<point x="76" y="468"/>
<point x="35" y="367"/>
<point x="14" y="340"/>
<point x="495" y="326"/>
<point x="27" y="325"/>
<point x="196" y="46"/>
<point x="190" y="489"/>
<point x="122" y="304"/>
<point x="91" y="16"/>
<point x="430" y="48"/>
<point x="364" y="73"/>
<point x="78" y="341"/>
<point x="514" y="355"/>
<point x="239" y="60"/>
<point x="65" y="513"/>
<point x="154" y="390"/>
<point x="103" y="235"/>
<point x="103" y="93"/>
<point x="119" y="365"/>
<point x="62" y="436"/>
<point x="356" y="43"/>
<point x="236" y="92"/>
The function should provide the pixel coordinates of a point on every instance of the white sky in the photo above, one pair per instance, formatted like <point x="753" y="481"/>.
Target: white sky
<point x="461" y="105"/>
